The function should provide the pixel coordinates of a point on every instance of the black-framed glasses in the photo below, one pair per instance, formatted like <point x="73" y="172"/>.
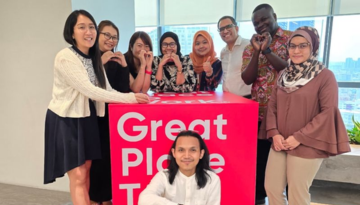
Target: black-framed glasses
<point x="227" y="27"/>
<point x="165" y="45"/>
<point x="108" y="36"/>
<point x="301" y="46"/>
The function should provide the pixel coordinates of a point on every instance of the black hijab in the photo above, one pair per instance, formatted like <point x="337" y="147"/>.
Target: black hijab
<point x="175" y="38"/>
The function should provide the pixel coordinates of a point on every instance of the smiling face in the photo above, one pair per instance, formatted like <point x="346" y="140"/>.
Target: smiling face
<point x="299" y="50"/>
<point x="138" y="46"/>
<point x="106" y="44"/>
<point x="230" y="33"/>
<point x="187" y="154"/>
<point x="202" y="46"/>
<point x="84" y="34"/>
<point x="168" y="46"/>
<point x="264" y="20"/>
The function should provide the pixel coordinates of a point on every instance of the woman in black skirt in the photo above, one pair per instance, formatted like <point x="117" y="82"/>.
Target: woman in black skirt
<point x="117" y="72"/>
<point x="80" y="91"/>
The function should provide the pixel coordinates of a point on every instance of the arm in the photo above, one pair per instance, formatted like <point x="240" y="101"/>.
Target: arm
<point x="157" y="85"/>
<point x="251" y="61"/>
<point x="326" y="131"/>
<point x="76" y="76"/>
<point x="277" y="62"/>
<point x="214" y="197"/>
<point x="187" y="76"/>
<point x="214" y="77"/>
<point x="152" y="194"/>
<point x="148" y="72"/>
<point x="137" y="84"/>
<point x="271" y="122"/>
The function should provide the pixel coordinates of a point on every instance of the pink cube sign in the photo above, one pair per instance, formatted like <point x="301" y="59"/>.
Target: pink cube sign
<point x="141" y="136"/>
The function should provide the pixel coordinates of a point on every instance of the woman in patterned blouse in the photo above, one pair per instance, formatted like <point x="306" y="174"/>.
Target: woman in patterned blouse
<point x="172" y="71"/>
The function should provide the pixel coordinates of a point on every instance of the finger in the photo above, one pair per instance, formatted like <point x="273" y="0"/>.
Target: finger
<point x="208" y="59"/>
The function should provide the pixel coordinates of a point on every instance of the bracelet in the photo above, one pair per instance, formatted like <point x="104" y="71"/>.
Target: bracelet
<point x="179" y="72"/>
<point x="148" y="72"/>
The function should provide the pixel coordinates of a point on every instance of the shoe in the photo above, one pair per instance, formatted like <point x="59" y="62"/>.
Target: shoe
<point x="260" y="202"/>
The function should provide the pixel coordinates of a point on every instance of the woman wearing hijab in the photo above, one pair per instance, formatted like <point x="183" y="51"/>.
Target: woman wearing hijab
<point x="303" y="121"/>
<point x="172" y="71"/>
<point x="206" y="65"/>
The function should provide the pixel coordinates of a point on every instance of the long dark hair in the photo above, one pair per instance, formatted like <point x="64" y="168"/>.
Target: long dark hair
<point x="201" y="175"/>
<point x="129" y="56"/>
<point x="104" y="23"/>
<point x="94" y="51"/>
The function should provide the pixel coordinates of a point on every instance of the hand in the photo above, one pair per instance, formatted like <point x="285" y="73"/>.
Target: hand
<point x="119" y="58"/>
<point x="291" y="143"/>
<point x="166" y="58"/>
<point x="142" y="98"/>
<point x="141" y="57"/>
<point x="266" y="42"/>
<point x="207" y="67"/>
<point x="176" y="60"/>
<point x="256" y="41"/>
<point x="106" y="57"/>
<point x="149" y="57"/>
<point x="278" y="142"/>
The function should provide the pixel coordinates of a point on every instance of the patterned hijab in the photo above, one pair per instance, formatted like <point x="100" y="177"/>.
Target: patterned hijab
<point x="199" y="60"/>
<point x="296" y="76"/>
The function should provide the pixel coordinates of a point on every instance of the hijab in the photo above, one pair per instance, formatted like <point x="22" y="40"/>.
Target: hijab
<point x="296" y="76"/>
<point x="199" y="60"/>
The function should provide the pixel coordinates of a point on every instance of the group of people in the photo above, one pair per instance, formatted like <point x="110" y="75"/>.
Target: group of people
<point x="299" y="120"/>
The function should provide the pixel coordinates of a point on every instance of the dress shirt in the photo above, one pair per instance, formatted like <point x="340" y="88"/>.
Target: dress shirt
<point x="231" y="63"/>
<point x="184" y="190"/>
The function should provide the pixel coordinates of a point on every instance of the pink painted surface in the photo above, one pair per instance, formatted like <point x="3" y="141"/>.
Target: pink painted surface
<point x="141" y="137"/>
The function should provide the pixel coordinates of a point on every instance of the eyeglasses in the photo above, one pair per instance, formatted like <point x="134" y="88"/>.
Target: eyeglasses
<point x="227" y="27"/>
<point x="108" y="36"/>
<point x="301" y="46"/>
<point x="165" y="45"/>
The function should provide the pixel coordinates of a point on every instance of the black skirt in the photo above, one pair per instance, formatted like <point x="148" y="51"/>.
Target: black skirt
<point x="69" y="142"/>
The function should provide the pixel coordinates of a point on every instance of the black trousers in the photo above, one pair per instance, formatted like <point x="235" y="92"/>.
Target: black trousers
<point x="263" y="148"/>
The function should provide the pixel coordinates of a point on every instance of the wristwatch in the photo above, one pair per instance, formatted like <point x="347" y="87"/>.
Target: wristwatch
<point x="266" y="51"/>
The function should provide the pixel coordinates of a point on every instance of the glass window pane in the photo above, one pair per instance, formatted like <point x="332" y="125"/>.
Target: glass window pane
<point x="344" y="58"/>
<point x="181" y="12"/>
<point x="152" y="31"/>
<point x="284" y="9"/>
<point x="349" y="105"/>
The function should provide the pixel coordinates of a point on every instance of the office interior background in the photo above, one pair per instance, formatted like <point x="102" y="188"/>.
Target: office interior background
<point x="31" y="35"/>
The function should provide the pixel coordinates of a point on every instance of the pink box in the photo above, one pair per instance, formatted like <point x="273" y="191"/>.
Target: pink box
<point x="141" y="136"/>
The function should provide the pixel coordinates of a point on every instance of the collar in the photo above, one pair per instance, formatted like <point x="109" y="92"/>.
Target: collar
<point x="237" y="42"/>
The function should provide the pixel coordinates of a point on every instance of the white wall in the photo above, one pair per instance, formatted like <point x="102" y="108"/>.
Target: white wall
<point x="30" y="37"/>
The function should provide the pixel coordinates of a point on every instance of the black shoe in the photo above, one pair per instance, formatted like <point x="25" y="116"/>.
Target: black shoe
<point x="260" y="202"/>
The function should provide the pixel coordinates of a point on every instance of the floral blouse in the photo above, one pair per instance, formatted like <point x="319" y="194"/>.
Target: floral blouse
<point x="168" y="83"/>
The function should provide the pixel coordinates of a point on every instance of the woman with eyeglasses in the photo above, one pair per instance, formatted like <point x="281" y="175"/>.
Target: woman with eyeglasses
<point x="172" y="71"/>
<point x="80" y="91"/>
<point x="303" y="121"/>
<point x="206" y="65"/>
<point x="139" y="58"/>
<point x="117" y="73"/>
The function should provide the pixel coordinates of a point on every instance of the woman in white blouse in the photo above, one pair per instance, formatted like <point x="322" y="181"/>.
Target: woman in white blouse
<point x="188" y="180"/>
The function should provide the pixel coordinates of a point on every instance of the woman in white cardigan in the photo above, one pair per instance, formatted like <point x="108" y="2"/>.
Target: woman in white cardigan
<point x="80" y="91"/>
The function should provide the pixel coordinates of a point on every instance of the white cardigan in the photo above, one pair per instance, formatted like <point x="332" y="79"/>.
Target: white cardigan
<point x="72" y="89"/>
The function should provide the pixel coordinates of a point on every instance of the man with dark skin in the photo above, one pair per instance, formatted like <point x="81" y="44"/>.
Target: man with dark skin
<point x="262" y="60"/>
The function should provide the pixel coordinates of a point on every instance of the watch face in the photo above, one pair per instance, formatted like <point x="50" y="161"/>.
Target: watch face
<point x="266" y="51"/>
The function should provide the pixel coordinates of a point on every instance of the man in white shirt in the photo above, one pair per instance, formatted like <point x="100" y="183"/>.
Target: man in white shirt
<point x="231" y="57"/>
<point x="188" y="180"/>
